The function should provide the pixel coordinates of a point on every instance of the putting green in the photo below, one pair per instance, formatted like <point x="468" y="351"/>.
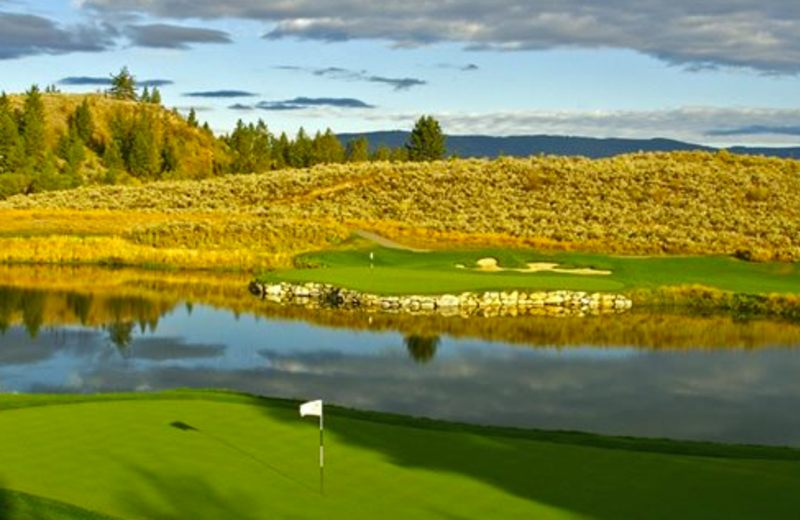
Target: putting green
<point x="203" y="455"/>
<point x="392" y="271"/>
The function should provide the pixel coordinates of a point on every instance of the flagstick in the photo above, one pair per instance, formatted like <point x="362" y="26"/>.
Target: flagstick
<point x="321" y="457"/>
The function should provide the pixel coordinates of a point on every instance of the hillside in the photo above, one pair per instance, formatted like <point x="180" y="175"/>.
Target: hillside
<point x="118" y="142"/>
<point x="527" y="145"/>
<point x="669" y="203"/>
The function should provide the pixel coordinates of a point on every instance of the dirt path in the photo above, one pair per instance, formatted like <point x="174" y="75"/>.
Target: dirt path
<point x="385" y="242"/>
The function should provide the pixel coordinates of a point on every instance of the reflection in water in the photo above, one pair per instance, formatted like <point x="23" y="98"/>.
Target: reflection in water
<point x="655" y="375"/>
<point x="422" y="349"/>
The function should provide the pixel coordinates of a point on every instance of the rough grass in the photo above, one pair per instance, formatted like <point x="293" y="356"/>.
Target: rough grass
<point x="255" y="458"/>
<point x="672" y="203"/>
<point x="397" y="271"/>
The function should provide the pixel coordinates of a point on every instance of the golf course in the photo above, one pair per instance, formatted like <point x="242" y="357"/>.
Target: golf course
<point x="209" y="455"/>
<point x="393" y="271"/>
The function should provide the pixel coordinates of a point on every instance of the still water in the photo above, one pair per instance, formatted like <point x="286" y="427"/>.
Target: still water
<point x="691" y="377"/>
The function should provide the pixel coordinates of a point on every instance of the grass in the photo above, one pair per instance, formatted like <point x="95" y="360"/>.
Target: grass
<point x="398" y="271"/>
<point x="117" y="456"/>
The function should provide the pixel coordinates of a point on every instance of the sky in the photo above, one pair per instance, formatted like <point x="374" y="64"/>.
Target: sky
<point x="718" y="72"/>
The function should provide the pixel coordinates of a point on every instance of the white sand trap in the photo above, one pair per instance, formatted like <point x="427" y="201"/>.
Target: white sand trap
<point x="490" y="265"/>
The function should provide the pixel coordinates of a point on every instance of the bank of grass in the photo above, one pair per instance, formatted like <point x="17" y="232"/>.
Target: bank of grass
<point x="237" y="456"/>
<point x="393" y="271"/>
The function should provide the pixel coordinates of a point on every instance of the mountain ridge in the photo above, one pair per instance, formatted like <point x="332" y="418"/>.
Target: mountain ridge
<point x="592" y="147"/>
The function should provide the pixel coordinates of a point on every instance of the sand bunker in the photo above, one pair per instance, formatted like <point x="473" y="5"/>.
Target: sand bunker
<point x="490" y="265"/>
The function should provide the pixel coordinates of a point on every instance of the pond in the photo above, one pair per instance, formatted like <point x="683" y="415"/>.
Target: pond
<point x="88" y="330"/>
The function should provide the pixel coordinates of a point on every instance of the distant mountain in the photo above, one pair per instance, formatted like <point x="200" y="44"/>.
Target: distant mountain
<point x="527" y="145"/>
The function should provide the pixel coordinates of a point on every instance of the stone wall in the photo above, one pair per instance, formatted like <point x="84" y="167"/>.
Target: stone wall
<point x="513" y="303"/>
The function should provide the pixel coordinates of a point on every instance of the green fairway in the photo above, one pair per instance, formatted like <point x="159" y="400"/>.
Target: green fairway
<point x="238" y="457"/>
<point x="395" y="272"/>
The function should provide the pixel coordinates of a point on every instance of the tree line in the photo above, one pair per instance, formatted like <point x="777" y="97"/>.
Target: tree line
<point x="140" y="141"/>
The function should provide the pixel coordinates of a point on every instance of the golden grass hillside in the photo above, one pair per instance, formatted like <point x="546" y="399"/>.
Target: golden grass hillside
<point x="200" y="154"/>
<point x="665" y="203"/>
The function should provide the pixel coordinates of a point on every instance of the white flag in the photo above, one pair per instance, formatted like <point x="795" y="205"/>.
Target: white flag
<point x="311" y="408"/>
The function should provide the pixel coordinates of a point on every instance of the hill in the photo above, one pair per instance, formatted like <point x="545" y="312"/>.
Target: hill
<point x="666" y="203"/>
<point x="528" y="145"/>
<point x="95" y="139"/>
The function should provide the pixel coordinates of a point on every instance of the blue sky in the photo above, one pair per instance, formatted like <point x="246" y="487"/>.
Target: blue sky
<point x="708" y="71"/>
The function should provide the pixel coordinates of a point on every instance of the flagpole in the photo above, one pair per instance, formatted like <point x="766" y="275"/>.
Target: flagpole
<point x="321" y="456"/>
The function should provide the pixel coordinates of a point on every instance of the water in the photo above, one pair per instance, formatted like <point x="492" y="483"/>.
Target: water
<point x="689" y="377"/>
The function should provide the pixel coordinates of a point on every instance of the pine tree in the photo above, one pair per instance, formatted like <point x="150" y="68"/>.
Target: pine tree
<point x="11" y="149"/>
<point x="299" y="151"/>
<point x="70" y="147"/>
<point x="155" y="96"/>
<point x="145" y="97"/>
<point x="326" y="149"/>
<point x="382" y="153"/>
<point x="357" y="150"/>
<point x="262" y="148"/>
<point x="427" y="141"/>
<point x="144" y="155"/>
<point x="33" y="128"/>
<point x="123" y="85"/>
<point x="192" y="118"/>
<point x="113" y="161"/>
<point x="82" y="123"/>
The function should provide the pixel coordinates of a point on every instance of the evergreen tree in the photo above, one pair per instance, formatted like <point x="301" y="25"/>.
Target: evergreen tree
<point x="70" y="147"/>
<point x="427" y="141"/>
<point x="383" y="153"/>
<point x="326" y="149"/>
<point x="155" y="96"/>
<point x="113" y="161"/>
<point x="11" y="149"/>
<point x="240" y="143"/>
<point x="192" y="119"/>
<point x="299" y="152"/>
<point x="357" y="150"/>
<point x="170" y="154"/>
<point x="144" y="155"/>
<point x="262" y="148"/>
<point x="145" y="97"/>
<point x="279" y="148"/>
<point x="123" y="85"/>
<point x="82" y="123"/>
<point x="399" y="154"/>
<point x="33" y="128"/>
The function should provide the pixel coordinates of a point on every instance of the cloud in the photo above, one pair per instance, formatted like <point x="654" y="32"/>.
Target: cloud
<point x="29" y="35"/>
<point x="155" y="83"/>
<point x="99" y="81"/>
<point x="756" y="130"/>
<point x="301" y="103"/>
<point x="756" y="34"/>
<point x="164" y="36"/>
<point x="220" y="94"/>
<point x="242" y="107"/>
<point x="84" y="81"/>
<point x="357" y="75"/>
<point x="469" y="67"/>
<point x="702" y="125"/>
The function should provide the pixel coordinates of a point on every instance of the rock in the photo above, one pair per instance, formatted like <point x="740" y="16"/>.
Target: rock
<point x="447" y="301"/>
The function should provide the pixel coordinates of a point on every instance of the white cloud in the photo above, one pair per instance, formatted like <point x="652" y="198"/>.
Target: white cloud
<point x="702" y="125"/>
<point x="756" y="34"/>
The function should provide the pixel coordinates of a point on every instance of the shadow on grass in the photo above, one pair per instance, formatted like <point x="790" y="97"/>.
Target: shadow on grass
<point x="15" y="505"/>
<point x="180" y="425"/>
<point x="175" y="496"/>
<point x="598" y="482"/>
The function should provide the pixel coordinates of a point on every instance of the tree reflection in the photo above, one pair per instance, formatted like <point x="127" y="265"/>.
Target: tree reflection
<point x="422" y="349"/>
<point x="120" y="334"/>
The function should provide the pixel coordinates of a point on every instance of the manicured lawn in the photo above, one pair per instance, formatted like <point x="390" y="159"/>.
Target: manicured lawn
<point x="248" y="458"/>
<point x="396" y="271"/>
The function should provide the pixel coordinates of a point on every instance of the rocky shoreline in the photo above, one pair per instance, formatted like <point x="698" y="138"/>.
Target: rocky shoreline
<point x="486" y="304"/>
